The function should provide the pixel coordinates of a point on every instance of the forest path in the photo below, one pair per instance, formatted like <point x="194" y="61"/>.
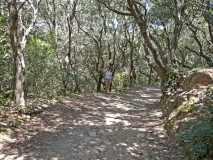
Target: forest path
<point x="124" y="126"/>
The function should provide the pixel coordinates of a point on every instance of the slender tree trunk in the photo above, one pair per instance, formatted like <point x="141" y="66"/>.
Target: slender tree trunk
<point x="18" y="45"/>
<point x="150" y="76"/>
<point x="64" y="82"/>
<point x="77" y="85"/>
<point x="131" y="75"/>
<point x="17" y="54"/>
<point x="99" y="83"/>
<point x="20" y="79"/>
<point x="209" y="24"/>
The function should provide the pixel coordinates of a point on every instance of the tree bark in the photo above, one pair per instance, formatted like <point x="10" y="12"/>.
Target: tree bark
<point x="132" y="74"/>
<point x="17" y="54"/>
<point x="142" y="21"/>
<point x="18" y="45"/>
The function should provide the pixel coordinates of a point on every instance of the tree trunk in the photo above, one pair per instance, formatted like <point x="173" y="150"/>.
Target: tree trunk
<point x="142" y="21"/>
<point x="17" y="54"/>
<point x="77" y="86"/>
<point x="20" y="79"/>
<point x="64" y="82"/>
<point x="132" y="71"/>
<point x="150" y="76"/>
<point x="100" y="77"/>
<point x="18" y="46"/>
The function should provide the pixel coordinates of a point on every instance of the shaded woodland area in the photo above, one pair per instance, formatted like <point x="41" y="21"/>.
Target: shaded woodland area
<point x="55" y="48"/>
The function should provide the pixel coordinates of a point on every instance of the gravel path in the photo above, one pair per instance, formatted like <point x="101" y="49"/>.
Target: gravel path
<point x="124" y="126"/>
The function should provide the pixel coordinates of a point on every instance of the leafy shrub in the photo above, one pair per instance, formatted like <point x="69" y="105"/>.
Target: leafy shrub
<point x="199" y="138"/>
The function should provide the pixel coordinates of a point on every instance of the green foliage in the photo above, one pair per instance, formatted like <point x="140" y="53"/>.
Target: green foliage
<point x="40" y="62"/>
<point x="141" y="79"/>
<point x="6" y="76"/>
<point x="48" y="71"/>
<point x="186" y="108"/>
<point x="120" y="80"/>
<point x="199" y="138"/>
<point x="210" y="109"/>
<point x="199" y="68"/>
<point x="174" y="80"/>
<point x="6" y="69"/>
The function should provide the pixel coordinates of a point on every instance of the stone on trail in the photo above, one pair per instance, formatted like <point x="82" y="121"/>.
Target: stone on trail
<point x="93" y="134"/>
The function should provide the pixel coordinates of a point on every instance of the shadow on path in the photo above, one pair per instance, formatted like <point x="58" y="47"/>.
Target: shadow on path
<point x="124" y="126"/>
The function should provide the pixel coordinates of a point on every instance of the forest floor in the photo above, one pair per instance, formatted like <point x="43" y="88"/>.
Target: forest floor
<point x="115" y="126"/>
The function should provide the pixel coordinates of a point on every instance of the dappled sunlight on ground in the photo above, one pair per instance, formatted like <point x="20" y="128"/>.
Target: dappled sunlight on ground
<point x="121" y="126"/>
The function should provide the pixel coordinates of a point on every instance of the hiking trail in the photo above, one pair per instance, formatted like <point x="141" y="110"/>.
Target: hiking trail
<point x="115" y="126"/>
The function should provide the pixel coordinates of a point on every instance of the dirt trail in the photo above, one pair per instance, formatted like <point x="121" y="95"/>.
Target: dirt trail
<point x="124" y="126"/>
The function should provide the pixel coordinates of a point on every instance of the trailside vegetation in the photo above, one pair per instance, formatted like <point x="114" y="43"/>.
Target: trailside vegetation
<point x="56" y="48"/>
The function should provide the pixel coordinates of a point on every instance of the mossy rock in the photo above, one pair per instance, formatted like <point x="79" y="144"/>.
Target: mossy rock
<point x="170" y="125"/>
<point x="5" y="131"/>
<point x="168" y="104"/>
<point x="187" y="108"/>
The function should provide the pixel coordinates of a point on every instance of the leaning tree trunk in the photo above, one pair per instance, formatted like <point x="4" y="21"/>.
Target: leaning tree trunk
<point x="142" y="21"/>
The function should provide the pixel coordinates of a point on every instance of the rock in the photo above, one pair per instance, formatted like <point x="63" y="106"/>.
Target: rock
<point x="88" y="139"/>
<point x="93" y="134"/>
<point x="81" y="156"/>
<point x="198" y="79"/>
<point x="169" y="103"/>
<point x="187" y="91"/>
<point x="141" y="135"/>
<point x="93" y="156"/>
<point x="182" y="107"/>
<point x="157" y="158"/>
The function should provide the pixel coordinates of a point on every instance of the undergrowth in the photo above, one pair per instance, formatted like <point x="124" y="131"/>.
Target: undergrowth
<point x="197" y="138"/>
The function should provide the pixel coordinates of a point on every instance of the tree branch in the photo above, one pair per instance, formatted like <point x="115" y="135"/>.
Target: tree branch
<point x="113" y="10"/>
<point x="95" y="40"/>
<point x="160" y="50"/>
<point x="207" y="58"/>
<point x="23" y="3"/>
<point x="29" y="29"/>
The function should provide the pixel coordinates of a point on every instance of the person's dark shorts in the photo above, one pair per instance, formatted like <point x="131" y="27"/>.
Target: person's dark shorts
<point x="107" y="80"/>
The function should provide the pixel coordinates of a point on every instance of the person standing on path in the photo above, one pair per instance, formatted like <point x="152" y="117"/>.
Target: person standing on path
<point x="108" y="79"/>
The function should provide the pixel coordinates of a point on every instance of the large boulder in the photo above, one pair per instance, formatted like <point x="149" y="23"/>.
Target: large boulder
<point x="187" y="113"/>
<point x="191" y="86"/>
<point x="197" y="79"/>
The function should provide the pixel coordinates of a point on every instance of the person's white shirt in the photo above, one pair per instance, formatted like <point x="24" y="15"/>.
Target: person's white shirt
<point x="108" y="74"/>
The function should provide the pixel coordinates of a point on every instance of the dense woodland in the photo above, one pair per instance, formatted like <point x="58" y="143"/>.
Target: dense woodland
<point x="57" y="47"/>
<point x="52" y="49"/>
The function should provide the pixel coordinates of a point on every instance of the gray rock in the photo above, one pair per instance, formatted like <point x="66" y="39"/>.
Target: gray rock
<point x="93" y="134"/>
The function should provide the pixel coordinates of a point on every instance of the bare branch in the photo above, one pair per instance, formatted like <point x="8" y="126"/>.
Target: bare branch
<point x="210" y="50"/>
<point x="95" y="40"/>
<point x="207" y="58"/>
<point x="160" y="49"/>
<point x="192" y="50"/>
<point x="23" y="3"/>
<point x="113" y="10"/>
<point x="140" y="4"/>
<point x="29" y="29"/>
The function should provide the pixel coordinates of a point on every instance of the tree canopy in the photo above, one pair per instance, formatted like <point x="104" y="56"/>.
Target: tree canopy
<point x="51" y="48"/>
